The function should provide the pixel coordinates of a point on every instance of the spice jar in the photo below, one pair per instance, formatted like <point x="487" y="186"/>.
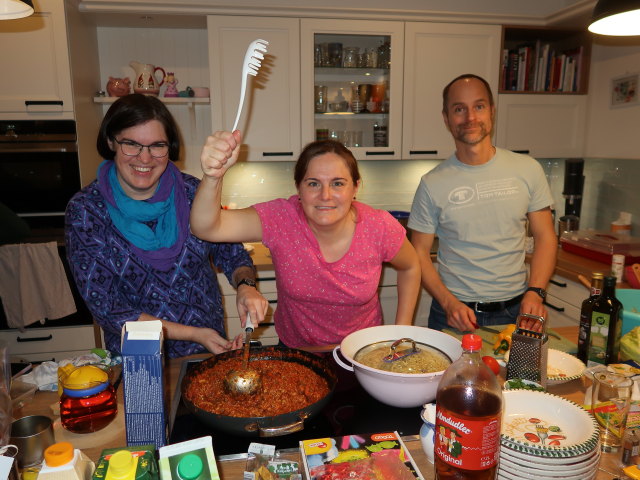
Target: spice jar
<point x="88" y="402"/>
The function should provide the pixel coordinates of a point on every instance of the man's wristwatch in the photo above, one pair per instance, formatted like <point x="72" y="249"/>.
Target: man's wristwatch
<point x="247" y="281"/>
<point x="540" y="291"/>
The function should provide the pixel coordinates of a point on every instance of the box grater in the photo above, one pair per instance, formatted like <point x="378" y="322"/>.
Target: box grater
<point x="528" y="353"/>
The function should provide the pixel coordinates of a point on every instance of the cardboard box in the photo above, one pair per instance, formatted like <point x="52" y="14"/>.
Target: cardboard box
<point x="143" y="383"/>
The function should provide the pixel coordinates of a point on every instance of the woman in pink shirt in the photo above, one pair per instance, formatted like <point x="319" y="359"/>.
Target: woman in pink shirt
<point x="327" y="249"/>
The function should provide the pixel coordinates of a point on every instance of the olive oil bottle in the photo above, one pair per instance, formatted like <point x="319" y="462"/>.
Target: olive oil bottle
<point x="584" y="334"/>
<point x="606" y="326"/>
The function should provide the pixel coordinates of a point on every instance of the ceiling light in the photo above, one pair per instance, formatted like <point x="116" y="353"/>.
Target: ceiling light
<point x="616" y="17"/>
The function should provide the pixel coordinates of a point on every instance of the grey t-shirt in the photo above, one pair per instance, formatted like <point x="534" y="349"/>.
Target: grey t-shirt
<point x="479" y="214"/>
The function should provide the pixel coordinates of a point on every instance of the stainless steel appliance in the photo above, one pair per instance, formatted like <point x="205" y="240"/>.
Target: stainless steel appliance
<point x="39" y="169"/>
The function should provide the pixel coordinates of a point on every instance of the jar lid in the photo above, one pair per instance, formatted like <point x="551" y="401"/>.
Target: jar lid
<point x="85" y="381"/>
<point x="190" y="467"/>
<point x="58" y="454"/>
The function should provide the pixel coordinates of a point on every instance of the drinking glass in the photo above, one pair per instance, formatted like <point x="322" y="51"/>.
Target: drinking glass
<point x="610" y="402"/>
<point x="364" y="92"/>
<point x="320" y="95"/>
<point x="335" y="54"/>
<point x="350" y="57"/>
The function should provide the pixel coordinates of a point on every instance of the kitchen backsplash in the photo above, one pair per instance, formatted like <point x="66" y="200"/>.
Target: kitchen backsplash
<point x="610" y="186"/>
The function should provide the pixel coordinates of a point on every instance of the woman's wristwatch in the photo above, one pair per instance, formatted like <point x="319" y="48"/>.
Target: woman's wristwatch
<point x="247" y="281"/>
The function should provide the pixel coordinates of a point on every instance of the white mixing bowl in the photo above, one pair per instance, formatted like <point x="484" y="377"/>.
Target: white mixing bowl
<point x="396" y="389"/>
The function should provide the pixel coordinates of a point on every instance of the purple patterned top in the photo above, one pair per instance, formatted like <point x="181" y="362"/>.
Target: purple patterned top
<point x="117" y="286"/>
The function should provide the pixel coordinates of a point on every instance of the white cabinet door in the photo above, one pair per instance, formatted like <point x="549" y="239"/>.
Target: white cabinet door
<point x="36" y="79"/>
<point x="564" y="301"/>
<point x="270" y="121"/>
<point x="361" y="35"/>
<point x="544" y="126"/>
<point x="436" y="53"/>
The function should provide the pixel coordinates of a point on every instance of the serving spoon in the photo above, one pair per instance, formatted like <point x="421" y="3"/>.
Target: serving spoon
<point x="244" y="381"/>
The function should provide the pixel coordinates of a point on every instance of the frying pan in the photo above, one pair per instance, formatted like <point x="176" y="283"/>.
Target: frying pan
<point x="273" y="426"/>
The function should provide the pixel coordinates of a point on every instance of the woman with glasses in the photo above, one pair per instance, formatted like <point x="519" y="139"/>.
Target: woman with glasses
<point x="129" y="245"/>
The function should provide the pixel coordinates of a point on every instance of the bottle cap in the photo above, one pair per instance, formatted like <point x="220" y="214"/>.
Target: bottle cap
<point x="190" y="467"/>
<point x="471" y="342"/>
<point x="122" y="465"/>
<point x="58" y="454"/>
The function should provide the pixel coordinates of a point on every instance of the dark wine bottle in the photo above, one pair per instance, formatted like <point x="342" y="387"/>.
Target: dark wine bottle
<point x="597" y="280"/>
<point x="606" y="326"/>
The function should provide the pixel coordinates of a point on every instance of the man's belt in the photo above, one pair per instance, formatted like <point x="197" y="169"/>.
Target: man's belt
<point x="494" y="306"/>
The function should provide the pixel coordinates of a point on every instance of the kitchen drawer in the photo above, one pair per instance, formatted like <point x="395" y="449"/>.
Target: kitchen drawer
<point x="266" y="282"/>
<point x="564" y="315"/>
<point x="48" y="341"/>
<point x="570" y="292"/>
<point x="46" y="357"/>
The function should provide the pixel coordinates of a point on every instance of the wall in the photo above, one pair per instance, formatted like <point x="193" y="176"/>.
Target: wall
<point x="612" y="132"/>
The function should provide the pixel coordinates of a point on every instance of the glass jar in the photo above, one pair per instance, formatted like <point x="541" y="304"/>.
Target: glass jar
<point x="350" y="57"/>
<point x="88" y="402"/>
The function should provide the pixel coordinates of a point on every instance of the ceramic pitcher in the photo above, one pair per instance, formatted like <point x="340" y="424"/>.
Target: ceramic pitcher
<point x="146" y="81"/>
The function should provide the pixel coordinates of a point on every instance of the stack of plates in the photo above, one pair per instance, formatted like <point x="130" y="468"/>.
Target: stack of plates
<point x="545" y="436"/>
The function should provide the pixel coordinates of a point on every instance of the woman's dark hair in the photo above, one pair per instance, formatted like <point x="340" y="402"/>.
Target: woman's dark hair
<point x="132" y="110"/>
<point x="313" y="149"/>
<point x="445" y="92"/>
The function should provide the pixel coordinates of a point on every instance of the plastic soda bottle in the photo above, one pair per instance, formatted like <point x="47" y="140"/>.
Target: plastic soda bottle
<point x="468" y="417"/>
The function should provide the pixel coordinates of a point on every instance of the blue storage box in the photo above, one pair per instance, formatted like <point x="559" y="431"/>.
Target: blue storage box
<point x="630" y="299"/>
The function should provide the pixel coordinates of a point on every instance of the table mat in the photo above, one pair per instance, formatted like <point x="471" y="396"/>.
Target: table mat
<point x="556" y="341"/>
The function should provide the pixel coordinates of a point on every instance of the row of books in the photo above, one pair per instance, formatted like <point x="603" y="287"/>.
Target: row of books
<point x="542" y="68"/>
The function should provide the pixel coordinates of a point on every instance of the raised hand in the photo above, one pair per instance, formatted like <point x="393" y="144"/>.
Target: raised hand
<point x="219" y="153"/>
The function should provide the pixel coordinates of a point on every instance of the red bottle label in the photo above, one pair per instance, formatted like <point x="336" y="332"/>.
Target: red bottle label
<point x="465" y="442"/>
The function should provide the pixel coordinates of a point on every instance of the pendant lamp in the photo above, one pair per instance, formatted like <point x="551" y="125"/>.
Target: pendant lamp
<point x="10" y="9"/>
<point x="616" y="17"/>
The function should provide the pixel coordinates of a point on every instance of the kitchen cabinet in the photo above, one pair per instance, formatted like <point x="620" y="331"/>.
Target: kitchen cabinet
<point x="388" y="294"/>
<point x="49" y="344"/>
<point x="360" y="60"/>
<point x="266" y="331"/>
<point x="543" y="126"/>
<point x="436" y="53"/>
<point x="564" y="301"/>
<point x="270" y="121"/>
<point x="37" y="77"/>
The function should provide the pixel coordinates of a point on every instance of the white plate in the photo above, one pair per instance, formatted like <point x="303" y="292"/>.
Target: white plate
<point x="571" y="430"/>
<point x="531" y="466"/>
<point x="506" y="475"/>
<point x="551" y="461"/>
<point x="563" y="367"/>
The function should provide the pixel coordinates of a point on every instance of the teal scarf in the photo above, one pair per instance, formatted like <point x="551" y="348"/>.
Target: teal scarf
<point x="132" y="217"/>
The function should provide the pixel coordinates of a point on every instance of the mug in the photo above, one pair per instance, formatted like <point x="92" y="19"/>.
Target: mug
<point x="32" y="435"/>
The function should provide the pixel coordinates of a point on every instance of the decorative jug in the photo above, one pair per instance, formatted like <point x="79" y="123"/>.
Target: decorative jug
<point x="146" y="81"/>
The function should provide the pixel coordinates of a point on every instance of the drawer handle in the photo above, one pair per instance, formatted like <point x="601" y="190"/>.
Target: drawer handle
<point x="558" y="284"/>
<point x="273" y="302"/>
<point x="392" y="152"/>
<point x="267" y="324"/>
<point x="525" y="152"/>
<point x="553" y="307"/>
<point x="28" y="103"/>
<point x="423" y="152"/>
<point x="265" y="279"/>
<point x="277" y="154"/>
<point x="35" y="339"/>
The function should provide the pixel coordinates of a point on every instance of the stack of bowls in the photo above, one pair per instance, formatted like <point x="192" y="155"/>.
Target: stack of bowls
<point x="545" y="436"/>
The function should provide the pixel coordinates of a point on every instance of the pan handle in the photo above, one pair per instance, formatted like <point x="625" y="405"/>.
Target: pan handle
<point x="340" y="362"/>
<point x="282" y="430"/>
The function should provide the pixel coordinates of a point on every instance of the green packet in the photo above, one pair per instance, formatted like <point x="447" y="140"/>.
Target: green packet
<point x="134" y="463"/>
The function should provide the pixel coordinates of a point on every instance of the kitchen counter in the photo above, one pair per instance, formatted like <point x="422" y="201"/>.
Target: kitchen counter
<point x="231" y="467"/>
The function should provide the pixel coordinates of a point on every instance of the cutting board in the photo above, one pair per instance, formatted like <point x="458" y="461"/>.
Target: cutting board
<point x="489" y="338"/>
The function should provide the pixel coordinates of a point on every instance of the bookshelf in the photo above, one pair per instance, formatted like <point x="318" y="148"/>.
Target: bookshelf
<point x="547" y="60"/>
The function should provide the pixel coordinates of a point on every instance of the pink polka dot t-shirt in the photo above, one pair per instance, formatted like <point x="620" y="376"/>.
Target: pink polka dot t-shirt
<point x="319" y="302"/>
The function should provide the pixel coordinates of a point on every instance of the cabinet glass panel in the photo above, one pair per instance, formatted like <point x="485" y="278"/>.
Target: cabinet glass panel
<point x="351" y="89"/>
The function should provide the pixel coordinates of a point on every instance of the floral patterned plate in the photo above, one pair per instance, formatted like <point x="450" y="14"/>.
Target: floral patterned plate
<point x="527" y="464"/>
<point x="563" y="367"/>
<point x="546" y="425"/>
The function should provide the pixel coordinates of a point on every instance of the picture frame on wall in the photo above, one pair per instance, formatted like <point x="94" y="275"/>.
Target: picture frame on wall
<point x="624" y="91"/>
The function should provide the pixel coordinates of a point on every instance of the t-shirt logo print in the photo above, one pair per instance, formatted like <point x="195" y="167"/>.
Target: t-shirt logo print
<point x="461" y="195"/>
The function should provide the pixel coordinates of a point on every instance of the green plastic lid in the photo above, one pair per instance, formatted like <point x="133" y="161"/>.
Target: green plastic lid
<point x="190" y="467"/>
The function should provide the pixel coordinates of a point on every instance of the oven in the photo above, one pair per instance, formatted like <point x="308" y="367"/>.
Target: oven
<point x="39" y="169"/>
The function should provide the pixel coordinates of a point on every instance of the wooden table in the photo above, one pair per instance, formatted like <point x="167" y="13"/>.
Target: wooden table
<point x="231" y="467"/>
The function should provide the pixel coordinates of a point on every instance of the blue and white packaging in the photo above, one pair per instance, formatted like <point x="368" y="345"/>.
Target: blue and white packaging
<point x="143" y="383"/>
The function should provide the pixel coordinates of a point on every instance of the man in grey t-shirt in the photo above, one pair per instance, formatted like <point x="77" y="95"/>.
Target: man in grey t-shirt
<point x="478" y="202"/>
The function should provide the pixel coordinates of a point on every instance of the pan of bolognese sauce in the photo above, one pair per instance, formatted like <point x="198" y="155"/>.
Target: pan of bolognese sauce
<point x="296" y="385"/>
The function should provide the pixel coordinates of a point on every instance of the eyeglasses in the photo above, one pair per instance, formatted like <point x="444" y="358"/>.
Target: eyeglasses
<point x="132" y="149"/>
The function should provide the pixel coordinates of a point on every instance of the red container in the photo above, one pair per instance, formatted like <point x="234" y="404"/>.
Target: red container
<point x="601" y="246"/>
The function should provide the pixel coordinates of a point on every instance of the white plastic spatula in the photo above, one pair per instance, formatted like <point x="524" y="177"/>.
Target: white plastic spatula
<point x="252" y="63"/>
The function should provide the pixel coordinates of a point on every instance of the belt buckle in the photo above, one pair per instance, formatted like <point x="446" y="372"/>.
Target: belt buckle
<point x="475" y="307"/>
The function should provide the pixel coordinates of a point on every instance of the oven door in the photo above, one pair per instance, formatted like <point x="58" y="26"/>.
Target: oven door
<point x="38" y="179"/>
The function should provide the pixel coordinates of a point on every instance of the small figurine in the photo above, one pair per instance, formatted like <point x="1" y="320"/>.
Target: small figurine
<point x="171" y="81"/>
<point x="118" y="87"/>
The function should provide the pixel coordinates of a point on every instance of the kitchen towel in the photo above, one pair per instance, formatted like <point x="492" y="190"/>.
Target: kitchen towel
<point x="33" y="284"/>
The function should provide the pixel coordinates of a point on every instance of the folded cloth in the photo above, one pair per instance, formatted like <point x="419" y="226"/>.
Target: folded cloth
<point x="33" y="286"/>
